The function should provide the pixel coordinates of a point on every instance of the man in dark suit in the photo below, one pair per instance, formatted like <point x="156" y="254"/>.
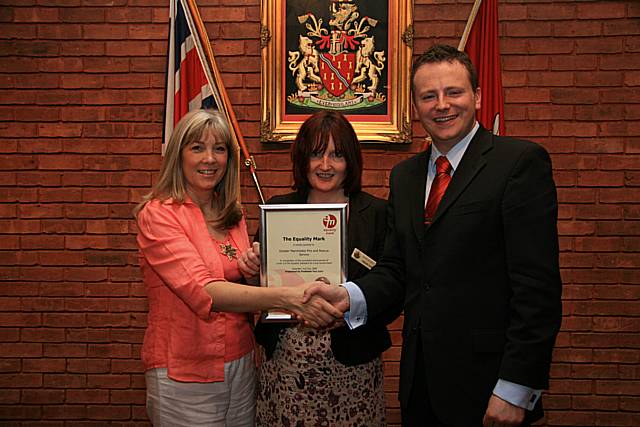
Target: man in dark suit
<point x="472" y="251"/>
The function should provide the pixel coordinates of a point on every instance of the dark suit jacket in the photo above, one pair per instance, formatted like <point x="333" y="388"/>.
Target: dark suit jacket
<point x="481" y="285"/>
<point x="365" y="231"/>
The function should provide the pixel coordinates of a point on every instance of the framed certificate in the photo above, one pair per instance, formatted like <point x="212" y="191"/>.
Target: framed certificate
<point x="302" y="243"/>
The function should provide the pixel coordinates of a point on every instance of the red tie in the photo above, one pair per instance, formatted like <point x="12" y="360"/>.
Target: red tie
<point x="438" y="187"/>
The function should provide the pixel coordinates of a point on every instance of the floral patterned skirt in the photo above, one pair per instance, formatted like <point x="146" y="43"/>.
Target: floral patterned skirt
<point x="303" y="385"/>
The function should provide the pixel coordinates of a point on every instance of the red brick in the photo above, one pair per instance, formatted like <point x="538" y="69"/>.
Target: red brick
<point x="601" y="11"/>
<point x="43" y="365"/>
<point x="147" y="31"/>
<point x="94" y="366"/>
<point x="619" y="62"/>
<point x="41" y="242"/>
<point x="43" y="335"/>
<point x="573" y="96"/>
<point x="109" y="381"/>
<point x="20" y="380"/>
<point x="603" y="308"/>
<point x="106" y="290"/>
<point x="84" y="48"/>
<point x="599" y="46"/>
<point x="128" y="397"/>
<point x="573" y="293"/>
<point x="35" y="14"/>
<point x="529" y="62"/>
<point x="16" y="412"/>
<point x="105" y="31"/>
<point x="601" y="179"/>
<point x="616" y="292"/>
<point x="606" y="78"/>
<point x="58" y="32"/>
<point x="570" y="418"/>
<point x="87" y="396"/>
<point x="617" y="419"/>
<point x="621" y="28"/>
<point x="628" y="388"/>
<point x="552" y="12"/>
<point x="574" y="129"/>
<point x="618" y="261"/>
<point x="574" y="63"/>
<point x="127" y="366"/>
<point x="620" y="162"/>
<point x="18" y="130"/>
<point x="20" y="226"/>
<point x="66" y="350"/>
<point x="528" y="129"/>
<point x="619" y="195"/>
<point x="571" y="386"/>
<point x="129" y="14"/>
<point x="552" y="46"/>
<point x="631" y="404"/>
<point x="576" y="29"/>
<point x="145" y="65"/>
<point x="598" y="244"/>
<point x="64" y="412"/>
<point x="18" y="31"/>
<point x="551" y="78"/>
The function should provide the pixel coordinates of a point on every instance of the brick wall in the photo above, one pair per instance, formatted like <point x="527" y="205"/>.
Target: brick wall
<point x="81" y="93"/>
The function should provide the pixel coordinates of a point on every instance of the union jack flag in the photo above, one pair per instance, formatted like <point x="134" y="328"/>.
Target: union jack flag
<point x="190" y="83"/>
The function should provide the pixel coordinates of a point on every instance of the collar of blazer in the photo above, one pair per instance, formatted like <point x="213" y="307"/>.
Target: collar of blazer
<point x="471" y="163"/>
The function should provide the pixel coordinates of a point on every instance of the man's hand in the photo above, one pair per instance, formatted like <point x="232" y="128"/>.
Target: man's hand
<point x="334" y="294"/>
<point x="314" y="310"/>
<point x="249" y="261"/>
<point x="502" y="413"/>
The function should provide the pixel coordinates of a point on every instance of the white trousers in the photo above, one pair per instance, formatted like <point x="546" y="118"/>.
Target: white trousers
<point x="230" y="403"/>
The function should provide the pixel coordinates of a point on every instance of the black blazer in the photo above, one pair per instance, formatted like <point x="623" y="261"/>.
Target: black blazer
<point x="481" y="285"/>
<point x="365" y="231"/>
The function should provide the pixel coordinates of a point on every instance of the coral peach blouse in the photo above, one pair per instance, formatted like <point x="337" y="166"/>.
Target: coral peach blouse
<point x="178" y="257"/>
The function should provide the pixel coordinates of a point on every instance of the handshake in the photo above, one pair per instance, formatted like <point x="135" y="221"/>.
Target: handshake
<point x="316" y="304"/>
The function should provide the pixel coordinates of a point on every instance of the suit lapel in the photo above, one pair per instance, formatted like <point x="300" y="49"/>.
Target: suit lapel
<point x="360" y="217"/>
<point x="415" y="189"/>
<point x="472" y="162"/>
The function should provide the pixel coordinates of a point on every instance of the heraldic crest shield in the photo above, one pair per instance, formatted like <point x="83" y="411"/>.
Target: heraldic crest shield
<point x="336" y="65"/>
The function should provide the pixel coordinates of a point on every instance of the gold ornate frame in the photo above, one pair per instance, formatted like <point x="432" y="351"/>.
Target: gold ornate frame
<point x="284" y="110"/>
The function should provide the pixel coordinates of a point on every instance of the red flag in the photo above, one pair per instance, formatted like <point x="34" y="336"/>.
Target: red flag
<point x="482" y="46"/>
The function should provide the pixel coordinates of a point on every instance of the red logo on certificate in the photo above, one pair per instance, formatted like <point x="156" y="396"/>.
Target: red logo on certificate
<point x="329" y="221"/>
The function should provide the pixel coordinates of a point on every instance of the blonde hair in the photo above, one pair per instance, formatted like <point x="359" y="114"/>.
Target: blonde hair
<point x="172" y="183"/>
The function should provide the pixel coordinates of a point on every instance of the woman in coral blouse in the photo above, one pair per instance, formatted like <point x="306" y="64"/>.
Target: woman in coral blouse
<point x="198" y="346"/>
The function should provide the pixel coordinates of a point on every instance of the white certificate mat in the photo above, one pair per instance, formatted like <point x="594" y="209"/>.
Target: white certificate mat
<point x="302" y="243"/>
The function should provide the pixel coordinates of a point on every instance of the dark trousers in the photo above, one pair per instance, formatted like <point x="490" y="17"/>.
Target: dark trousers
<point x="419" y="412"/>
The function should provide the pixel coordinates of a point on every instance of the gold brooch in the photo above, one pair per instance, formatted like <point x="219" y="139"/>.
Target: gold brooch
<point x="229" y="251"/>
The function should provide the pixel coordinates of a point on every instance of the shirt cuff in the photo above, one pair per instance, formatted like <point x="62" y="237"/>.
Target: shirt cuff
<point x="516" y="394"/>
<point x="356" y="316"/>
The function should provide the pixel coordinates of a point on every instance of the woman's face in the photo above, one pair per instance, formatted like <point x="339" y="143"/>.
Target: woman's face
<point x="327" y="170"/>
<point x="204" y="163"/>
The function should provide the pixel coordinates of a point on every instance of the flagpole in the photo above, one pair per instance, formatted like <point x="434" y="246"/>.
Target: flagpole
<point x="202" y="32"/>
<point x="467" y="28"/>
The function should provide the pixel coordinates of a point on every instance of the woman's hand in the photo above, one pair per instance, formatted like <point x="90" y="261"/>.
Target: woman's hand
<point x="315" y="311"/>
<point x="249" y="261"/>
